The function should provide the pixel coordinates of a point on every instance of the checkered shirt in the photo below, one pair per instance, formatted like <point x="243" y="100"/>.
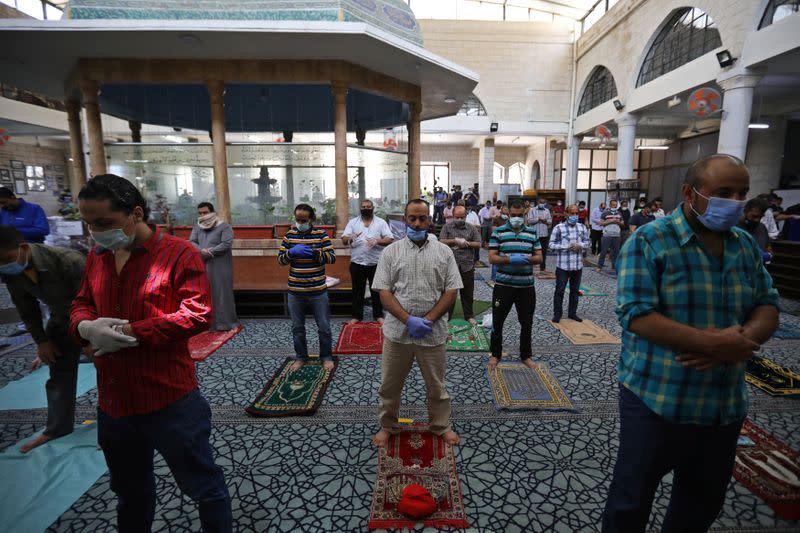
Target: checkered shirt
<point x="563" y="236"/>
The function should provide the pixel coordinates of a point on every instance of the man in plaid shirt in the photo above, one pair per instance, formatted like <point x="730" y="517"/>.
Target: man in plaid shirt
<point x="569" y="240"/>
<point x="695" y="303"/>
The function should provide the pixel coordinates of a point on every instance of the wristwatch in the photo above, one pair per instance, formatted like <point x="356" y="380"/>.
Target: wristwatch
<point x="119" y="329"/>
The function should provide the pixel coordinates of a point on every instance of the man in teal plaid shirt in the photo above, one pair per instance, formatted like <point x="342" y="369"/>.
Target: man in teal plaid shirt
<point x="695" y="303"/>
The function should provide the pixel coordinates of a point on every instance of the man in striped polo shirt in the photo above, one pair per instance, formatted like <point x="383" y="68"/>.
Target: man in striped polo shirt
<point x="307" y="250"/>
<point x="514" y="248"/>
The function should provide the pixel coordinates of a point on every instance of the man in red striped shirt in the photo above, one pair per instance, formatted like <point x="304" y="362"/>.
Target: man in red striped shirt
<point x="144" y="294"/>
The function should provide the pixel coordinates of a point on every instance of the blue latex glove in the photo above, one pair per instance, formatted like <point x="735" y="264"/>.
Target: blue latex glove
<point x="518" y="259"/>
<point x="301" y="251"/>
<point x="418" y="327"/>
<point x="766" y="256"/>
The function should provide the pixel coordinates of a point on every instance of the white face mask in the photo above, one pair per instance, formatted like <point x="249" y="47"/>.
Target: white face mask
<point x="113" y="239"/>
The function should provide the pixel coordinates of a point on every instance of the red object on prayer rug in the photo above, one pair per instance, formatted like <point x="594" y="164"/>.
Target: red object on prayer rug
<point x="417" y="456"/>
<point x="363" y="338"/>
<point x="770" y="470"/>
<point x="208" y="342"/>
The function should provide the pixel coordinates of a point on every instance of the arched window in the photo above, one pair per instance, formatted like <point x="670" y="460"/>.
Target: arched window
<point x="688" y="34"/>
<point x="778" y="9"/>
<point x="499" y="173"/>
<point x="472" y="107"/>
<point x="516" y="174"/>
<point x="536" y="172"/>
<point x="599" y="89"/>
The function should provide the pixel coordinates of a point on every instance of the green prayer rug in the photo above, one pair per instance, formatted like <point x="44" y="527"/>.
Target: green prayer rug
<point x="464" y="337"/>
<point x="772" y="378"/>
<point x="293" y="393"/>
<point x="588" y="291"/>
<point x="478" y="307"/>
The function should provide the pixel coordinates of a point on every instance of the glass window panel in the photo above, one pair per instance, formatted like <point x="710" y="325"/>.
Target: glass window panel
<point x="599" y="179"/>
<point x="612" y="158"/>
<point x="499" y="173"/>
<point x="645" y="158"/>
<point x="426" y="176"/>
<point x="599" y="159"/>
<point x="582" y="196"/>
<point x="600" y="88"/>
<point x="657" y="159"/>
<point x="636" y="154"/>
<point x="583" y="179"/>
<point x="595" y="199"/>
<point x="585" y="159"/>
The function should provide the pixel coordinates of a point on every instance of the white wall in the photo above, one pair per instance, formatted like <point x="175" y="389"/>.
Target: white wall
<point x="463" y="161"/>
<point x="765" y="155"/>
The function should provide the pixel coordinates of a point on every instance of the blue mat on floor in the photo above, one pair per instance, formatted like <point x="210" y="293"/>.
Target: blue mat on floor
<point x="787" y="331"/>
<point x="41" y="485"/>
<point x="29" y="393"/>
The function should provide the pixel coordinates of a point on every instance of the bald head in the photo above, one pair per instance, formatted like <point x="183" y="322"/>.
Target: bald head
<point x="708" y="167"/>
<point x="460" y="212"/>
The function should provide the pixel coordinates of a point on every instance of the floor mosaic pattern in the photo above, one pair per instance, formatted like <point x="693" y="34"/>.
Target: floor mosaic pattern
<point x="520" y="471"/>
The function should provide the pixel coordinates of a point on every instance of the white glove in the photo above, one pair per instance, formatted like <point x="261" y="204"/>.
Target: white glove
<point x="461" y="242"/>
<point x="103" y="337"/>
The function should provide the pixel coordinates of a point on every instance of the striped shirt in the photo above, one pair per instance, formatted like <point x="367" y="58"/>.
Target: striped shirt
<point x="563" y="236"/>
<point x="307" y="276"/>
<point x="663" y="267"/>
<point x="163" y="291"/>
<point x="418" y="276"/>
<point x="507" y="241"/>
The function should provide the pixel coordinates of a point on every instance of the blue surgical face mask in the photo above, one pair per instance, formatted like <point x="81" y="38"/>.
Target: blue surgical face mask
<point x="305" y="226"/>
<point x="572" y="220"/>
<point x="516" y="222"/>
<point x="114" y="239"/>
<point x="721" y="213"/>
<point x="416" y="235"/>
<point x="14" y="269"/>
<point x="540" y="206"/>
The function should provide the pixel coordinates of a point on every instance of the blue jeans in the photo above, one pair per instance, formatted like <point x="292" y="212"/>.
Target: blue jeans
<point x="494" y="272"/>
<point x="180" y="432"/>
<point x="650" y="446"/>
<point x="298" y="303"/>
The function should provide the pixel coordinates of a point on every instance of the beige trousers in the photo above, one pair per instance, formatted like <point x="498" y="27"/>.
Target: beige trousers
<point x="395" y="366"/>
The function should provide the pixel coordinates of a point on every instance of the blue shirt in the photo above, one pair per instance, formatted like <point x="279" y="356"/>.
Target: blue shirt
<point x="29" y="219"/>
<point x="664" y="268"/>
<point x="507" y="241"/>
<point x="563" y="236"/>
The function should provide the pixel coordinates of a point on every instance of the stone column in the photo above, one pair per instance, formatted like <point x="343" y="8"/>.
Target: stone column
<point x="626" y="148"/>
<point x="738" y="106"/>
<point x="288" y="136"/>
<point x="216" y="92"/>
<point x="571" y="180"/>
<point x="77" y="161"/>
<point x="340" y="139"/>
<point x="94" y="127"/>
<point x="414" y="150"/>
<point x="361" y="137"/>
<point x="485" y="171"/>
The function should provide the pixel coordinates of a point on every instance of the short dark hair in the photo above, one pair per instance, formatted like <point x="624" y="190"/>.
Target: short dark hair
<point x="516" y="204"/>
<point x="696" y="175"/>
<point x="650" y="205"/>
<point x="5" y="192"/>
<point x="209" y="205"/>
<point x="756" y="203"/>
<point x="582" y="202"/>
<point x="123" y="195"/>
<point x="312" y="215"/>
<point x="10" y="237"/>
<point x="415" y="201"/>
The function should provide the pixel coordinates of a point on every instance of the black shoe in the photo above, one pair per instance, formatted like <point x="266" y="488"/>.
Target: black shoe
<point x="575" y="318"/>
<point x="556" y="319"/>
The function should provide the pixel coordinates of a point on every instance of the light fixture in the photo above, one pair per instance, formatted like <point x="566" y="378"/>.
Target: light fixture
<point x="237" y="164"/>
<point x="137" y="161"/>
<point x="758" y="126"/>
<point x="654" y="147"/>
<point x="174" y="138"/>
<point x="725" y="58"/>
<point x="449" y="100"/>
<point x="493" y="127"/>
<point x="674" y="101"/>
<point x="618" y="104"/>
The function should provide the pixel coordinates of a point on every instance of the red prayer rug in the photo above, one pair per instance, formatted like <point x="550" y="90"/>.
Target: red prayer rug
<point x="208" y="342"/>
<point x="363" y="338"/>
<point x="415" y="455"/>
<point x="770" y="470"/>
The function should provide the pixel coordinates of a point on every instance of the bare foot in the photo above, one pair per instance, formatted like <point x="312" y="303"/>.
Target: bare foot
<point x="327" y="365"/>
<point x="473" y="321"/>
<point x="492" y="363"/>
<point x="297" y="365"/>
<point x="451" y="438"/>
<point x="353" y="321"/>
<point x="380" y="320"/>
<point x="35" y="443"/>
<point x="529" y="363"/>
<point x="380" y="438"/>
<point x="599" y="269"/>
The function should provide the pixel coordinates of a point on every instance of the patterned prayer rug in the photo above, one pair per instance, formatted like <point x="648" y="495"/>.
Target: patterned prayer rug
<point x="770" y="470"/>
<point x="772" y="378"/>
<point x="515" y="386"/>
<point x="586" y="332"/>
<point x="416" y="455"/>
<point x="360" y="338"/>
<point x="208" y="342"/>
<point x="547" y="274"/>
<point x="293" y="393"/>
<point x="588" y="291"/>
<point x="787" y="331"/>
<point x="464" y="337"/>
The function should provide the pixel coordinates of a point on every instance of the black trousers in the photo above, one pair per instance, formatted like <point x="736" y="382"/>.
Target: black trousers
<point x="574" y="278"/>
<point x="545" y="242"/>
<point x="467" y="295"/>
<point x="361" y="275"/>
<point x="62" y="385"/>
<point x="596" y="235"/>
<point x="524" y="299"/>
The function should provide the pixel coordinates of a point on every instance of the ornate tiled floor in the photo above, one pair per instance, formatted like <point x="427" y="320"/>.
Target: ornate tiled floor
<point x="519" y="471"/>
